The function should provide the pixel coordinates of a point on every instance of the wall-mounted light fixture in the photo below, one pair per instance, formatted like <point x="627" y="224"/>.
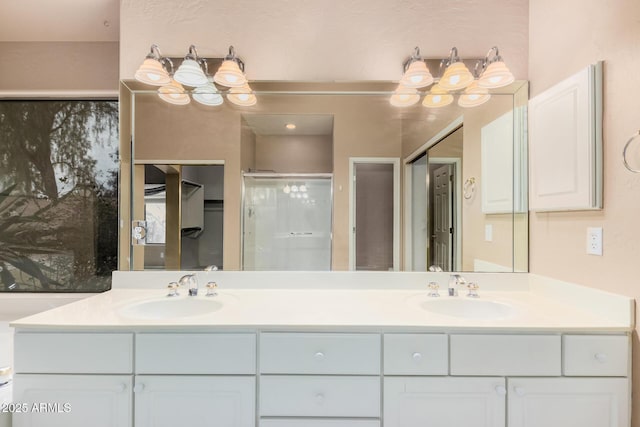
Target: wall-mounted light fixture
<point x="493" y="71"/>
<point x="191" y="72"/>
<point x="416" y="74"/>
<point x="153" y="70"/>
<point x="231" y="72"/>
<point x="456" y="75"/>
<point x="157" y="70"/>
<point x="489" y="72"/>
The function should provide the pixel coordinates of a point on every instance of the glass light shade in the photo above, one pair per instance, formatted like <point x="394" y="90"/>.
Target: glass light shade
<point x="496" y="75"/>
<point x="242" y="96"/>
<point x="207" y="95"/>
<point x="474" y="95"/>
<point x="174" y="93"/>
<point x="456" y="76"/>
<point x="437" y="97"/>
<point x="417" y="75"/>
<point x="230" y="75"/>
<point x="152" y="72"/>
<point x="404" y="97"/>
<point x="190" y="74"/>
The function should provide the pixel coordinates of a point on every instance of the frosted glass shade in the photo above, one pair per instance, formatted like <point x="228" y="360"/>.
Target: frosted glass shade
<point x="174" y="93"/>
<point x="242" y="96"/>
<point x="417" y="75"/>
<point x="152" y="72"/>
<point x="474" y="95"/>
<point x="404" y="97"/>
<point x="456" y="77"/>
<point x="438" y="97"/>
<point x="230" y="75"/>
<point x="207" y="95"/>
<point x="496" y="75"/>
<point x="190" y="74"/>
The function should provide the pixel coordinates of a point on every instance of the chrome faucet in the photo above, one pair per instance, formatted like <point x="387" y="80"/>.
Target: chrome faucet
<point x="455" y="280"/>
<point x="191" y="282"/>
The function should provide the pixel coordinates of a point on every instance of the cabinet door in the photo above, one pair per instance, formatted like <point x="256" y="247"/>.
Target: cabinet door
<point x="205" y="401"/>
<point x="442" y="401"/>
<point x="561" y="402"/>
<point x="73" y="400"/>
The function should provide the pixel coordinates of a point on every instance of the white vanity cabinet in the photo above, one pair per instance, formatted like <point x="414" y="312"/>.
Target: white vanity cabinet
<point x="195" y="379"/>
<point x="323" y="379"/>
<point x="320" y="379"/>
<point x="73" y="380"/>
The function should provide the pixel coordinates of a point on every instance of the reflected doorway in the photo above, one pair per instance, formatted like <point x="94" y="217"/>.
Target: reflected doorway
<point x="374" y="214"/>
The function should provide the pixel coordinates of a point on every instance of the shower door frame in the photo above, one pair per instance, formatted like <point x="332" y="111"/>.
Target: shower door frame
<point x="275" y="175"/>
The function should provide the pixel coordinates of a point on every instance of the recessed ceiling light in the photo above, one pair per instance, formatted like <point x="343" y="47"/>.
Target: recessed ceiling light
<point x="290" y="126"/>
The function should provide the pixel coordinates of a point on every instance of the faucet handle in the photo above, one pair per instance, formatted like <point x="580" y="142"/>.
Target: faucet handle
<point x="173" y="289"/>
<point x="473" y="290"/>
<point x="433" y="289"/>
<point x="211" y="289"/>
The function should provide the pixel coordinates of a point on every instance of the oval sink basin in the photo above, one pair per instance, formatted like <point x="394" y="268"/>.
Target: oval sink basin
<point x="167" y="307"/>
<point x="468" y="308"/>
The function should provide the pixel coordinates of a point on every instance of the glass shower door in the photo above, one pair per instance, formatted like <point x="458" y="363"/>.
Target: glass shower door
<point x="287" y="222"/>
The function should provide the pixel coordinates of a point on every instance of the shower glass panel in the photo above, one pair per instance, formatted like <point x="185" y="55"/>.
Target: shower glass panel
<point x="287" y="222"/>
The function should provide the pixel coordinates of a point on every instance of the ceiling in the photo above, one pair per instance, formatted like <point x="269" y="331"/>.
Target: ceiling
<point x="59" y="20"/>
<point x="275" y="124"/>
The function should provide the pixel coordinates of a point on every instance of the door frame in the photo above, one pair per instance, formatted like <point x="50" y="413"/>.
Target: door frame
<point x="408" y="241"/>
<point x="395" y="161"/>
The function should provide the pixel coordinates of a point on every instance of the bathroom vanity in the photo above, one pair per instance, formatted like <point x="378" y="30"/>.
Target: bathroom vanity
<point x="527" y="352"/>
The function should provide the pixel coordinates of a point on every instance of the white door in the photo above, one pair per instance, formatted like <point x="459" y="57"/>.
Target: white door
<point x="204" y="401"/>
<point x="563" y="402"/>
<point x="444" y="402"/>
<point x="442" y="218"/>
<point x="73" y="400"/>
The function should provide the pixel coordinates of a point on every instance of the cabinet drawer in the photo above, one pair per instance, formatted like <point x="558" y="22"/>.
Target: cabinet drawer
<point x="319" y="396"/>
<point x="195" y="353"/>
<point x="317" y="353"/>
<point x="505" y="355"/>
<point x="416" y="354"/>
<point x="297" y="422"/>
<point x="73" y="353"/>
<point x="596" y="355"/>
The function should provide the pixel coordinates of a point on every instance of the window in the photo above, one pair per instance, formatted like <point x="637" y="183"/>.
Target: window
<point x="58" y="195"/>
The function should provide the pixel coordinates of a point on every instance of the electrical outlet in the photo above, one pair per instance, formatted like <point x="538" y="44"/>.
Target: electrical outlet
<point x="488" y="233"/>
<point x="594" y="240"/>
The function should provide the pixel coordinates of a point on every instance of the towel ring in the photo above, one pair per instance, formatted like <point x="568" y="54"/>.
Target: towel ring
<point x="469" y="188"/>
<point x="624" y="152"/>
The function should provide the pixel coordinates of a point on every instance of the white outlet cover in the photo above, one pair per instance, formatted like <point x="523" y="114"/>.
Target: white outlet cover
<point x="594" y="241"/>
<point x="488" y="232"/>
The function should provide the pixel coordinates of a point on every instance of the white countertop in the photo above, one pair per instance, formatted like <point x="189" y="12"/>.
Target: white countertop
<point x="334" y="309"/>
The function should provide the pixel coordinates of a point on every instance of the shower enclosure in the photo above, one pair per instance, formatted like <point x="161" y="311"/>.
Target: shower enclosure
<point x="287" y="222"/>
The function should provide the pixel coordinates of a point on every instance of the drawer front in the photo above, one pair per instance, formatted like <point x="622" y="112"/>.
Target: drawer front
<point x="416" y="354"/>
<point x="195" y="353"/>
<point x="74" y="353"/>
<point x="318" y="423"/>
<point x="317" y="353"/>
<point x="505" y="355"/>
<point x="319" y="396"/>
<point x="593" y="355"/>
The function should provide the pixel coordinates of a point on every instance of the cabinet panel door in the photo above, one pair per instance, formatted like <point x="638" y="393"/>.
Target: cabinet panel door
<point x="170" y="401"/>
<point x="74" y="400"/>
<point x="444" y="402"/>
<point x="561" y="402"/>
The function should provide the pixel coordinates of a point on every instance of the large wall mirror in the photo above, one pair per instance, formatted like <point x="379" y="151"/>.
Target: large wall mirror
<point x="325" y="176"/>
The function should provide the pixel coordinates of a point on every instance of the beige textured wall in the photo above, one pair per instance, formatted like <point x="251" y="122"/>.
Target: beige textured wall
<point x="59" y="66"/>
<point x="294" y="153"/>
<point x="247" y="147"/>
<point x="559" y="47"/>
